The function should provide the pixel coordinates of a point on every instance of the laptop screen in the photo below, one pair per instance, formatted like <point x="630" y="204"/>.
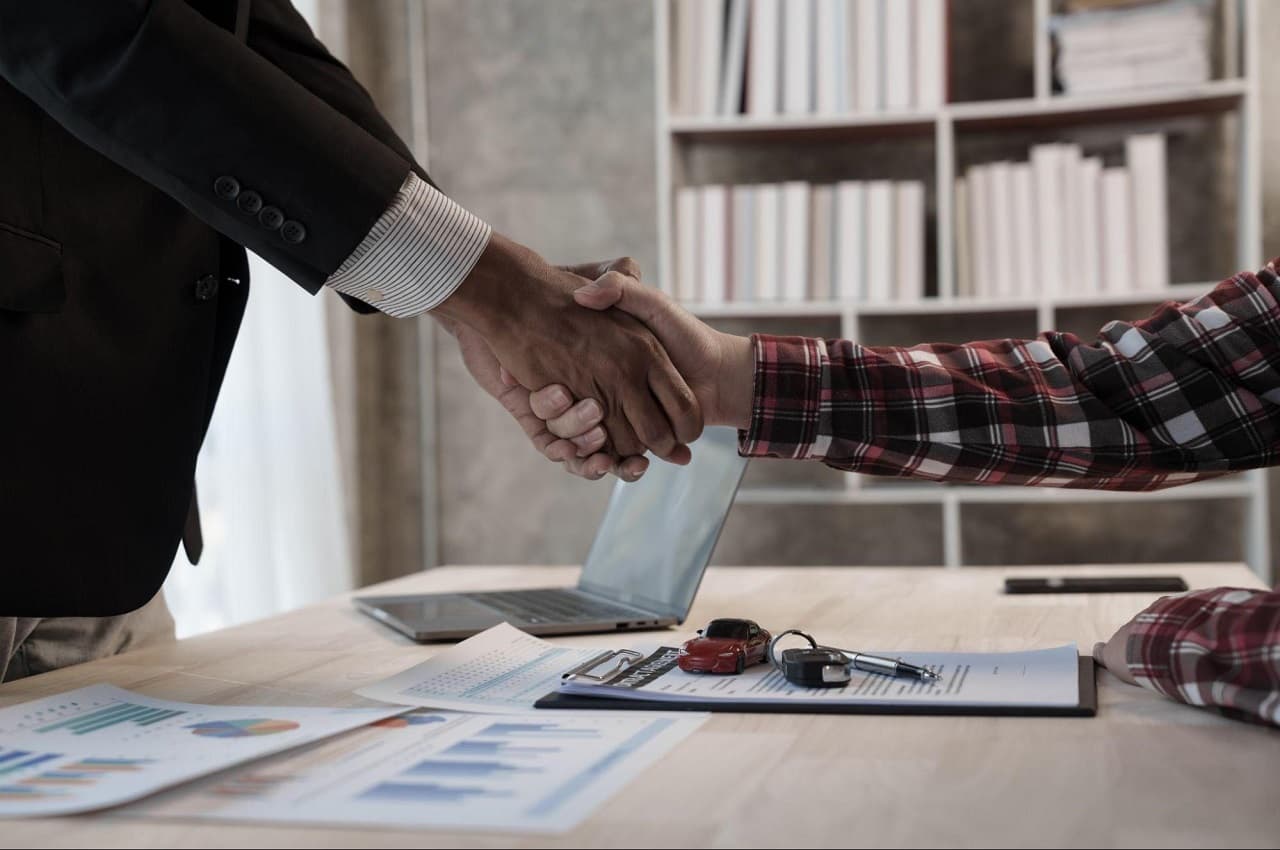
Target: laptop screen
<point x="658" y="534"/>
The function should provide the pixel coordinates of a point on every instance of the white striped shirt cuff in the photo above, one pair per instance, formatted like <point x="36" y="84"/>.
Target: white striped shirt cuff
<point x="416" y="255"/>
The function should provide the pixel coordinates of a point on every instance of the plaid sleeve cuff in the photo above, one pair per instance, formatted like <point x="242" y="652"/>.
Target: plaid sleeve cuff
<point x="790" y="411"/>
<point x="1218" y="648"/>
<point x="416" y="255"/>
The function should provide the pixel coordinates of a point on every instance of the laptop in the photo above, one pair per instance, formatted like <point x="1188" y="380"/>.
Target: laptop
<point x="642" y="572"/>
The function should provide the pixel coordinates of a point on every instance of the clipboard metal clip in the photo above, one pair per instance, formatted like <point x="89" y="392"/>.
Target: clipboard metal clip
<point x="604" y="666"/>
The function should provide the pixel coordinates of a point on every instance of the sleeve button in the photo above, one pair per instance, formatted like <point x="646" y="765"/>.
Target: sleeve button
<point x="249" y="202"/>
<point x="226" y="188"/>
<point x="293" y="232"/>
<point x="207" y="288"/>
<point x="271" y="218"/>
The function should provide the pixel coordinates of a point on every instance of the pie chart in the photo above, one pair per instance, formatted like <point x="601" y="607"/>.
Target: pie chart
<point x="247" y="728"/>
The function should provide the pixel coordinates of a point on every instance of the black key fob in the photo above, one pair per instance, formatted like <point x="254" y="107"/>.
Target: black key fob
<point x="815" y="668"/>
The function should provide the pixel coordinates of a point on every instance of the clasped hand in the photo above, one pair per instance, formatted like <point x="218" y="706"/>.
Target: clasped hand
<point x="608" y="384"/>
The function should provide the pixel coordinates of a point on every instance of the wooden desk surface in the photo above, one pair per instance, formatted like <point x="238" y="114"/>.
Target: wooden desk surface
<point x="1145" y="772"/>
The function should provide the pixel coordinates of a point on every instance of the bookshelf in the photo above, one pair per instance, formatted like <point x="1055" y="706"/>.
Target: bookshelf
<point x="685" y="142"/>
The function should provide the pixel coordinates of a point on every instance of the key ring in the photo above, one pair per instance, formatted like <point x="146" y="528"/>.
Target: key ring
<point x="773" y="658"/>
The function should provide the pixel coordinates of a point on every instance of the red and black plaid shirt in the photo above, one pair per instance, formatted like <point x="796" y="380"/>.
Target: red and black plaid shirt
<point x="1191" y="392"/>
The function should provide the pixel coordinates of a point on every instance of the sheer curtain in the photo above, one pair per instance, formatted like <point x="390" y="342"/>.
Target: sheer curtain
<point x="269" y="476"/>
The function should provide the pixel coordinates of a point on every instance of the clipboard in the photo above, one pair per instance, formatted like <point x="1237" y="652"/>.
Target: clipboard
<point x="1086" y="707"/>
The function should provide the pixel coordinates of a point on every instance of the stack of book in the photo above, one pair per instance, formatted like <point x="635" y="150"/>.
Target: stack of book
<point x="807" y="57"/>
<point x="795" y="242"/>
<point x="1136" y="46"/>
<point x="1062" y="224"/>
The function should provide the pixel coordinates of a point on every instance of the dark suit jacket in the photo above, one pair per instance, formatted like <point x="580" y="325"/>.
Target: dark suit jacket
<point x="120" y="250"/>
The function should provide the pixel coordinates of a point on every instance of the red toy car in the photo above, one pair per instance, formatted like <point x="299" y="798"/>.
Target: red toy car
<point x="724" y="646"/>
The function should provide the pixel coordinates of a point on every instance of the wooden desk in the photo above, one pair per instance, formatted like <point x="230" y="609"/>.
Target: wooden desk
<point x="1145" y="772"/>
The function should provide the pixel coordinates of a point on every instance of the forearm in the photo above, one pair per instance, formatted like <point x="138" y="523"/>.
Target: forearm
<point x="1216" y="648"/>
<point x="1188" y="393"/>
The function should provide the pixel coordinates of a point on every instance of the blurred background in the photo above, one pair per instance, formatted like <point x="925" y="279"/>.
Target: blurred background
<point x="738" y="149"/>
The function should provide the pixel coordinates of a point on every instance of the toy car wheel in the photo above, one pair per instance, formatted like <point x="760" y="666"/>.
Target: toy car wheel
<point x="742" y="665"/>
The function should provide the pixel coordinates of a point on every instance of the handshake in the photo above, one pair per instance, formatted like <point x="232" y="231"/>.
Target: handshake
<point x="596" y="367"/>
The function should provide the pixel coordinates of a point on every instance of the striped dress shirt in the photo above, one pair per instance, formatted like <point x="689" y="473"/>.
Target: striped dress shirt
<point x="416" y="255"/>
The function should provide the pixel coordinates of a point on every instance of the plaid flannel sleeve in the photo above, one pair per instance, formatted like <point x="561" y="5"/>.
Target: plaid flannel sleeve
<point x="1217" y="648"/>
<point x="1191" y="392"/>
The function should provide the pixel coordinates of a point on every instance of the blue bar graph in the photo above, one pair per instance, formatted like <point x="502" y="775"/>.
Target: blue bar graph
<point x="466" y="769"/>
<point x="565" y="792"/>
<point x="537" y="730"/>
<point x="496" y="748"/>
<point x="408" y="792"/>
<point x="13" y="766"/>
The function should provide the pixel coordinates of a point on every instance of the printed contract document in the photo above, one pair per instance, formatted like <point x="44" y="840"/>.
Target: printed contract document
<point x="1043" y="677"/>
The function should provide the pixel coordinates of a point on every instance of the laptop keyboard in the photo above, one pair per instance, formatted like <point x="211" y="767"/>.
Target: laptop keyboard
<point x="553" y="605"/>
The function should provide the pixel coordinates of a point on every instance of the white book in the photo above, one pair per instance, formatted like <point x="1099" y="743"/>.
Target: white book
<point x="733" y="73"/>
<point x="908" y="205"/>
<point x="1072" y="265"/>
<point x="964" y="240"/>
<point x="1145" y="157"/>
<point x="899" y="86"/>
<point x="822" y="214"/>
<point x="684" y="82"/>
<point x="1046" y="174"/>
<point x="743" y="244"/>
<point x="688" y="240"/>
<point x="1000" y="186"/>
<point x="848" y="22"/>
<point x="980" y="228"/>
<point x="845" y="81"/>
<point x="1117" y="240"/>
<point x="1025" y="260"/>
<point x="764" y="37"/>
<point x="828" y="64"/>
<point x="794" y="264"/>
<point x="713" y="206"/>
<point x="1090" y="225"/>
<point x="868" y="49"/>
<point x="930" y="53"/>
<point x="797" y="57"/>
<point x="710" y="47"/>
<point x="768" y="232"/>
<point x="850" y="234"/>
<point x="880" y="242"/>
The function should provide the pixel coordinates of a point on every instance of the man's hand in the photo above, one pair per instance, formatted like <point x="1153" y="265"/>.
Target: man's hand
<point x="719" y="367"/>
<point x="580" y="455"/>
<point x="1114" y="654"/>
<point x="524" y="310"/>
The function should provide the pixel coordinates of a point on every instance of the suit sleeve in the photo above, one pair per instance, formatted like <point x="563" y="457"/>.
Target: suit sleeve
<point x="424" y="245"/>
<point x="214" y="123"/>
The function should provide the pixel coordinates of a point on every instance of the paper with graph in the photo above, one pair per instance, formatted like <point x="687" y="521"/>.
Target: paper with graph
<point x="102" y="746"/>
<point x="529" y="772"/>
<point x="500" y="670"/>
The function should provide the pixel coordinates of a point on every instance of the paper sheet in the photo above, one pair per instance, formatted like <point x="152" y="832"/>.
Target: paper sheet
<point x="542" y="773"/>
<point x="101" y="746"/>
<point x="1043" y="677"/>
<point x="501" y="669"/>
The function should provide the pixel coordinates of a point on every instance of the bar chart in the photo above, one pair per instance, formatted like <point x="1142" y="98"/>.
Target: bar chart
<point x="113" y="715"/>
<point x="101" y="746"/>
<point x="542" y="772"/>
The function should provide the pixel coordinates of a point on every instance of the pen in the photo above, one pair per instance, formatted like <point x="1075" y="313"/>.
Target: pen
<point x="890" y="667"/>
